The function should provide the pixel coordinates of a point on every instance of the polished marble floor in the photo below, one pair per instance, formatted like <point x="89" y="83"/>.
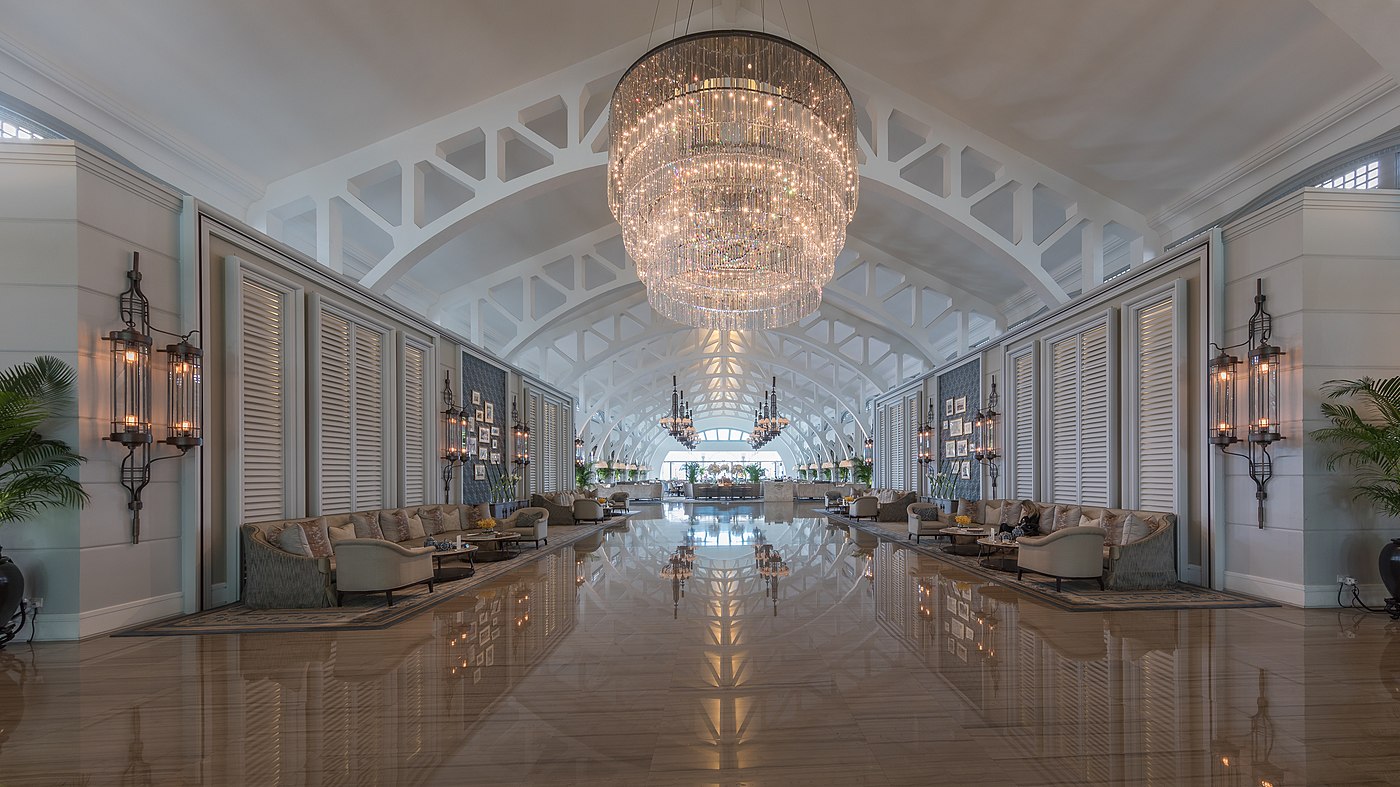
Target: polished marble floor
<point x="618" y="662"/>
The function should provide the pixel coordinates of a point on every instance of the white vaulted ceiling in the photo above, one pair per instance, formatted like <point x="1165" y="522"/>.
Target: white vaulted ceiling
<point x="451" y="155"/>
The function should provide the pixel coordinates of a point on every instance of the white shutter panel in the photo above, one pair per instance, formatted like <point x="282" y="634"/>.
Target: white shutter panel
<point x="1023" y="425"/>
<point x="550" y="451"/>
<point x="336" y="431"/>
<point x="532" y="417"/>
<point x="263" y="326"/>
<point x="911" y="474"/>
<point x="1094" y="429"/>
<point x="415" y="425"/>
<point x="369" y="419"/>
<point x="1064" y="420"/>
<point x="1156" y="442"/>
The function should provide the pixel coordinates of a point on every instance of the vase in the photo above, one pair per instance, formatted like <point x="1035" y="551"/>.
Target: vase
<point x="11" y="592"/>
<point x="1390" y="575"/>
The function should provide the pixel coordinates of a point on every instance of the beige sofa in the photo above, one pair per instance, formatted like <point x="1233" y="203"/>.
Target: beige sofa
<point x="560" y="505"/>
<point x="1145" y="562"/>
<point x="285" y="568"/>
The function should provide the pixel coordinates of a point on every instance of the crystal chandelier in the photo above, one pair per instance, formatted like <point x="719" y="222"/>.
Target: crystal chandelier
<point x="767" y="423"/>
<point x="680" y="422"/>
<point x="732" y="172"/>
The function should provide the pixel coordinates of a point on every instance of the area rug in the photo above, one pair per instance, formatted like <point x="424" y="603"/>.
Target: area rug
<point x="360" y="612"/>
<point x="1076" y="595"/>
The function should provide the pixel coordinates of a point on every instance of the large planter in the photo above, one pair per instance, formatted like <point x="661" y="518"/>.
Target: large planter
<point x="1390" y="575"/>
<point x="11" y="593"/>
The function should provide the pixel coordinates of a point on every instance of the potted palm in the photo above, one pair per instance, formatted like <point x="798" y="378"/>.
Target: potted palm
<point x="692" y="475"/>
<point x="583" y="477"/>
<point x="865" y="471"/>
<point x="1367" y="440"/>
<point x="34" y="470"/>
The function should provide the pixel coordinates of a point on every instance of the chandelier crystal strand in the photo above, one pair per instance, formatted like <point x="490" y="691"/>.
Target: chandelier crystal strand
<point x="733" y="175"/>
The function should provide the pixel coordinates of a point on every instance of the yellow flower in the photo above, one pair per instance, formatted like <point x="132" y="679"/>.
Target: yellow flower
<point x="487" y="524"/>
<point x="963" y="519"/>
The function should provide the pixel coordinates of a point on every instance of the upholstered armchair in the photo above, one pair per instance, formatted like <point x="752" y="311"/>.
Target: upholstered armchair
<point x="560" y="513"/>
<point x="834" y="498"/>
<point x="924" y="520"/>
<point x="587" y="511"/>
<point x="867" y="507"/>
<point x="372" y="565"/>
<point x="619" y="500"/>
<point x="1067" y="553"/>
<point x="530" y="523"/>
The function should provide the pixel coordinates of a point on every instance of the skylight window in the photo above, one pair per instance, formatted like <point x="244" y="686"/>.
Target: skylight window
<point x="1366" y="176"/>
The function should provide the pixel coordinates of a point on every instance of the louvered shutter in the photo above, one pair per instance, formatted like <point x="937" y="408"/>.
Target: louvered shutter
<point x="550" y="450"/>
<point x="1079" y="414"/>
<point x="369" y="419"/>
<point x="898" y="444"/>
<point x="532" y="417"/>
<point x="1153" y="391"/>
<point x="1022" y="425"/>
<point x="263" y="324"/>
<point x="912" y="466"/>
<point x="336" y="459"/>
<point x="415" y="424"/>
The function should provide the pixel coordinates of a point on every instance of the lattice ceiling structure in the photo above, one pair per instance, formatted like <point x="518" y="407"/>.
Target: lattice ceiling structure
<point x="493" y="221"/>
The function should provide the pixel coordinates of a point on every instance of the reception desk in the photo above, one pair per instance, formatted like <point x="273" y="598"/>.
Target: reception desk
<point x="779" y="491"/>
<point x="723" y="491"/>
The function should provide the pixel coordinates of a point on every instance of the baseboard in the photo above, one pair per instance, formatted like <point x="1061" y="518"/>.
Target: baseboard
<point x="101" y="621"/>
<point x="220" y="595"/>
<point x="1299" y="595"/>
<point x="1191" y="575"/>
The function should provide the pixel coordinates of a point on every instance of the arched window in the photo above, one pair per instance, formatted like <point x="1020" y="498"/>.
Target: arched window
<point x="14" y="126"/>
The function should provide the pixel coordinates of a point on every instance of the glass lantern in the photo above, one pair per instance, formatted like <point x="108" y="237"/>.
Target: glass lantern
<point x="1264" y="362"/>
<point x="184" y="402"/>
<point x="131" y="386"/>
<point x="453" y="430"/>
<point x="1223" y="371"/>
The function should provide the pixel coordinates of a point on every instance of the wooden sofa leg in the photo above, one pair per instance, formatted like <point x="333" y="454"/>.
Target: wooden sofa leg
<point x="389" y="597"/>
<point x="430" y="586"/>
<point x="1020" y="574"/>
<point x="1057" y="584"/>
<point x="1101" y="587"/>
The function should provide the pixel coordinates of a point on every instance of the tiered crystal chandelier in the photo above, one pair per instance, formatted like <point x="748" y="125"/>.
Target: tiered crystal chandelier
<point x="732" y="171"/>
<point x="767" y="423"/>
<point x="680" y="423"/>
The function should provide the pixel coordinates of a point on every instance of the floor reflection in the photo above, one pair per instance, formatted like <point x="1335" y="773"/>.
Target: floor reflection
<point x="724" y="644"/>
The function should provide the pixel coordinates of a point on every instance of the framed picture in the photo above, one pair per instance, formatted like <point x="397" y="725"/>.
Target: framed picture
<point x="495" y="444"/>
<point x="495" y="458"/>
<point x="479" y="415"/>
<point x="950" y="448"/>
<point x="962" y="448"/>
<point x="479" y="472"/>
<point x="947" y="406"/>
<point x="483" y="433"/>
<point x="495" y="431"/>
<point x="959" y="406"/>
<point x="967" y="427"/>
<point x="490" y="415"/>
<point x="471" y="444"/>
<point x="483" y="452"/>
<point x="476" y="398"/>
<point x="955" y="428"/>
<point x="966" y="471"/>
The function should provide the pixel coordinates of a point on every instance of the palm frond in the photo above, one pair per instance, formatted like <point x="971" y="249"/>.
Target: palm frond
<point x="1366" y="437"/>
<point x="35" y="471"/>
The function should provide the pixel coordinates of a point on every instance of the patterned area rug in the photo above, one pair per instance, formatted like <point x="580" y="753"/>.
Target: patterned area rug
<point x="360" y="612"/>
<point x="1078" y="595"/>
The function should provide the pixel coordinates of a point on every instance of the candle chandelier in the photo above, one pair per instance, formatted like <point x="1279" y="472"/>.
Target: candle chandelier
<point x="767" y="422"/>
<point x="732" y="171"/>
<point x="680" y="422"/>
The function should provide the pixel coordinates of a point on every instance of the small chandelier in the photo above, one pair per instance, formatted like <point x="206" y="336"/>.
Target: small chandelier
<point x="732" y="171"/>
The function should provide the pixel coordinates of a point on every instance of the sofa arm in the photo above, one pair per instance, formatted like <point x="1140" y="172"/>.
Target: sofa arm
<point x="276" y="579"/>
<point x="1146" y="563"/>
<point x="365" y="564"/>
<point x="1062" y="533"/>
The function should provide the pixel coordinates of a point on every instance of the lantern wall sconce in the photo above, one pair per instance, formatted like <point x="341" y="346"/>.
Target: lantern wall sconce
<point x="985" y="435"/>
<point x="925" y="447"/>
<point x="578" y="452"/>
<point x="455" y="428"/>
<point x="869" y="449"/>
<point x="131" y="424"/>
<point x="1262" y="405"/>
<point x="521" y="433"/>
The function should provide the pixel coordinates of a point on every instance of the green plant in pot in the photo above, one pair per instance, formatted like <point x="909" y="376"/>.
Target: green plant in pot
<point x="583" y="476"/>
<point x="1366" y="438"/>
<point x="605" y="472"/>
<point x="865" y="471"/>
<point x="754" y="472"/>
<point x="34" y="470"/>
<point x="692" y="471"/>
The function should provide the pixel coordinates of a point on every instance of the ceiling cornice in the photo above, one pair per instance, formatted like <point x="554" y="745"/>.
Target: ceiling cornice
<point x="179" y="162"/>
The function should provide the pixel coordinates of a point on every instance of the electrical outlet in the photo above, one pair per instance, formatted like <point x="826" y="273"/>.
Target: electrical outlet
<point x="1349" y="581"/>
<point x="1341" y="579"/>
<point x="37" y="602"/>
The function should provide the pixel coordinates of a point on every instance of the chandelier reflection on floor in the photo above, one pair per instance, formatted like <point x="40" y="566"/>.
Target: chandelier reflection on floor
<point x="732" y="171"/>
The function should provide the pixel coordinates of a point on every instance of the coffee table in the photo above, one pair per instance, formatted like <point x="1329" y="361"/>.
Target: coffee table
<point x="964" y="540"/>
<point x="455" y="572"/>
<point x="492" y="544"/>
<point x="999" y="555"/>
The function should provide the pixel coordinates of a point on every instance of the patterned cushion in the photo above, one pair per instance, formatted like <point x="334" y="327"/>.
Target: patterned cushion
<point x="432" y="520"/>
<point x="394" y="523"/>
<point x="1064" y="516"/>
<point x="367" y="525"/>
<point x="1011" y="513"/>
<point x="1134" y="529"/>
<point x="1113" y="525"/>
<point x="927" y="512"/>
<point x="528" y="519"/>
<point x="470" y="516"/>
<point x="338" y="533"/>
<point x="305" y="537"/>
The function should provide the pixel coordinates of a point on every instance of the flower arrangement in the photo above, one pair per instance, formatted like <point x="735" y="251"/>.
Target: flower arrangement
<point x="487" y="524"/>
<point x="963" y="520"/>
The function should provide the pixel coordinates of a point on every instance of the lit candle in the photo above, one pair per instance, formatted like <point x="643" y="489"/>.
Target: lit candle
<point x="131" y="356"/>
<point x="131" y="420"/>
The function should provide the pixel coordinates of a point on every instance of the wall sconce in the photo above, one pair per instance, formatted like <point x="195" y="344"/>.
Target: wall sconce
<point x="985" y="433"/>
<point x="131" y="424"/>
<point x="522" y="437"/>
<point x="578" y="452"/>
<point x="454" y="437"/>
<point x="1263" y="407"/>
<point x="869" y="449"/>
<point x="925" y="447"/>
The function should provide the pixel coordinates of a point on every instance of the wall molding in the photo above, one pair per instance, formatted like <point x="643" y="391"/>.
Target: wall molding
<point x="95" y="622"/>
<point x="1297" y="594"/>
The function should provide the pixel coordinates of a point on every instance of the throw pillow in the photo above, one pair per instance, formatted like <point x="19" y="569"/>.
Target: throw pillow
<point x="416" y="531"/>
<point x="367" y="525"/>
<point x="1065" y="516"/>
<point x="432" y="520"/>
<point x="1134" y="529"/>
<point x="1113" y="526"/>
<point x="394" y="523"/>
<point x="470" y="516"/>
<point x="305" y="537"/>
<point x="966" y="508"/>
<point x="528" y="519"/>
<point x="340" y="533"/>
<point x="451" y="518"/>
<point x="1087" y="521"/>
<point x="927" y="513"/>
<point x="993" y="513"/>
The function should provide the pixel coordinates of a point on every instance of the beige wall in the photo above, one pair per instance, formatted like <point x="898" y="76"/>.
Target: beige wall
<point x="71" y="221"/>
